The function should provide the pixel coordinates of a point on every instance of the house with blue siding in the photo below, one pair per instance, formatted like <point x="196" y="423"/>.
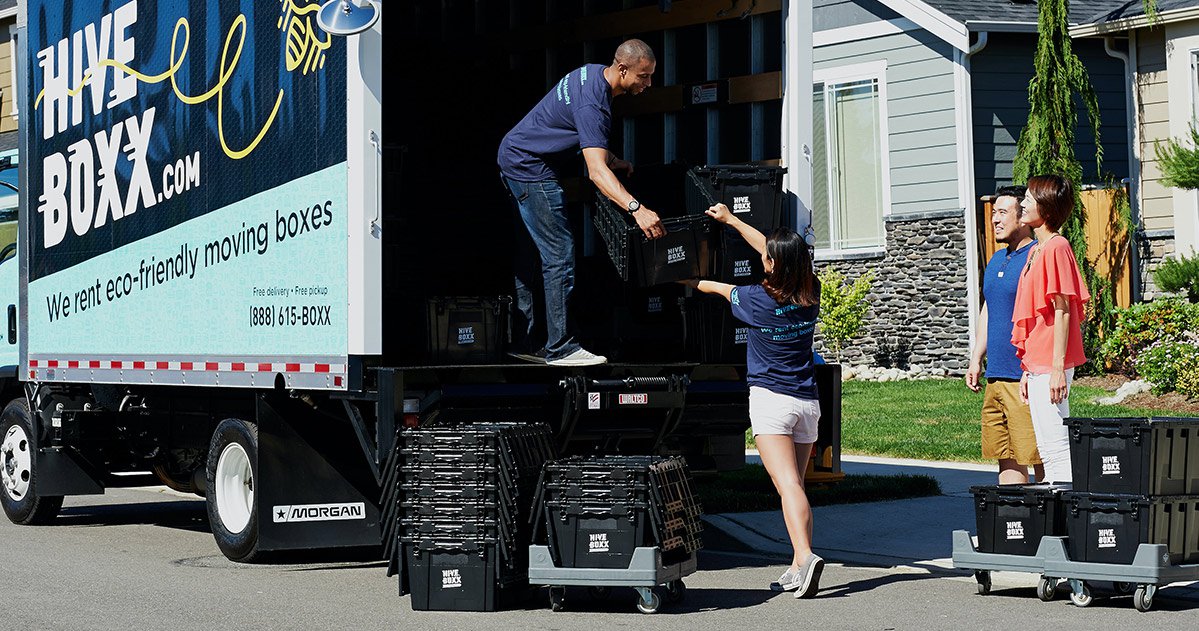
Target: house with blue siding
<point x="1162" y="75"/>
<point x="917" y="107"/>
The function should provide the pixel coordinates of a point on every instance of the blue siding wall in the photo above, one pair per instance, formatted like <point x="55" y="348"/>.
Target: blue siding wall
<point x="830" y="14"/>
<point x="1000" y="75"/>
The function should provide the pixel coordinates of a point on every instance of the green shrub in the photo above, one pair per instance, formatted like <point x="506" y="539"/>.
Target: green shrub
<point x="1188" y="378"/>
<point x="1164" y="362"/>
<point x="1179" y="275"/>
<point x="842" y="308"/>
<point x="1140" y="325"/>
<point x="1179" y="161"/>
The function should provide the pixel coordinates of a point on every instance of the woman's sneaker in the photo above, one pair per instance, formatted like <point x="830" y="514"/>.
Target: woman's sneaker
<point x="791" y="579"/>
<point x="580" y="357"/>
<point x="809" y="577"/>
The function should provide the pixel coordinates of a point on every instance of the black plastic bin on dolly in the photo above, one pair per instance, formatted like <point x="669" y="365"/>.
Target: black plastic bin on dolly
<point x="616" y="521"/>
<point x="1132" y="518"/>
<point x="461" y="514"/>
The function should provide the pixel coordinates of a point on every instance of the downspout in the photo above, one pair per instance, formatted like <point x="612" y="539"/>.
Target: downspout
<point x="1134" y="164"/>
<point x="969" y="199"/>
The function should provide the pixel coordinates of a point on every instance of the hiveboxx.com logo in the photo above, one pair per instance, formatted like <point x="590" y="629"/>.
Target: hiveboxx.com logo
<point x="598" y="542"/>
<point x="466" y="335"/>
<point x="451" y="579"/>
<point x="1111" y="465"/>
<point x="677" y="254"/>
<point x="1106" y="538"/>
<point x="1015" y="530"/>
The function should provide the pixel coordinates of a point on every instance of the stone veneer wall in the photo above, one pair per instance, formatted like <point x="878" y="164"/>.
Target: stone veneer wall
<point x="1152" y="248"/>
<point x="919" y="308"/>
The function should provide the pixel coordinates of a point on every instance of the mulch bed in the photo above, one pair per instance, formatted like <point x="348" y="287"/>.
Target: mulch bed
<point x="1171" y="401"/>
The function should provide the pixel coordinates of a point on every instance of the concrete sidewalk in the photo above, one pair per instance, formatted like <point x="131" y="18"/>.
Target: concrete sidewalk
<point x="908" y="535"/>
<point x="899" y="532"/>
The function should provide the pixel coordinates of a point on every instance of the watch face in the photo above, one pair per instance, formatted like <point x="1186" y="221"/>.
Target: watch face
<point x="634" y="206"/>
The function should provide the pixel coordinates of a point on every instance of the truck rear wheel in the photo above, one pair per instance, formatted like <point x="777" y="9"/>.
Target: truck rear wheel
<point x="232" y="501"/>
<point x="18" y="470"/>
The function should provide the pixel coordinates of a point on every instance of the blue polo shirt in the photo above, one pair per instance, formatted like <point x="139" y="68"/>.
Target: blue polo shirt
<point x="778" y="354"/>
<point x="576" y="114"/>
<point x="1000" y="280"/>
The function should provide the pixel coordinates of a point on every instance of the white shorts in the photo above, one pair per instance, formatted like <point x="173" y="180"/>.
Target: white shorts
<point x="771" y="413"/>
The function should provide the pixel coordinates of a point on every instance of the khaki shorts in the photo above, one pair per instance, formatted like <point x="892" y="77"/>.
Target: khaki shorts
<point x="1007" y="425"/>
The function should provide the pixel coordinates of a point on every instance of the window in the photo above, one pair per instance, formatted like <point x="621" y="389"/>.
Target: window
<point x="850" y="183"/>
<point x="1195" y="84"/>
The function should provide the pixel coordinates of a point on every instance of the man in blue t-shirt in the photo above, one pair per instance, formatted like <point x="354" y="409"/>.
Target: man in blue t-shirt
<point x="1007" y="432"/>
<point x="576" y="114"/>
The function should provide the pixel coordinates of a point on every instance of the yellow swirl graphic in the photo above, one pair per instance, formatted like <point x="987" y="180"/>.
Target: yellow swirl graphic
<point x="227" y="67"/>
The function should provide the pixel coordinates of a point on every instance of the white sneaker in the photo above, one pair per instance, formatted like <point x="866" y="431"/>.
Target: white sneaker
<point x="581" y="357"/>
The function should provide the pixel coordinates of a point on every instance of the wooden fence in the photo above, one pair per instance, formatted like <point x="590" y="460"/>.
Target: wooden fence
<point x="1107" y="240"/>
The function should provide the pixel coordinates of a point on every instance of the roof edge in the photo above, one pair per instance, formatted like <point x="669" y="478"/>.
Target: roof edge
<point x="932" y="20"/>
<point x="1130" y="23"/>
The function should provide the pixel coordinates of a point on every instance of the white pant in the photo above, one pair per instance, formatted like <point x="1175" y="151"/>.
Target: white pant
<point x="1053" y="438"/>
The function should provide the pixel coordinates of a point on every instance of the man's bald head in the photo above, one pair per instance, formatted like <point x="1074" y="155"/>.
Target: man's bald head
<point x="633" y="51"/>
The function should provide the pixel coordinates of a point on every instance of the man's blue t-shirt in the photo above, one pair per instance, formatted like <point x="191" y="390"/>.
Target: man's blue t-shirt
<point x="1000" y="280"/>
<point x="576" y="114"/>
<point x="779" y="351"/>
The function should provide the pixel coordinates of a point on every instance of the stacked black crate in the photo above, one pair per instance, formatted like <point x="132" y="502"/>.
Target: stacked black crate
<point x="1136" y="481"/>
<point x="598" y="510"/>
<point x="464" y="502"/>
<point x="755" y="195"/>
<point x="1012" y="518"/>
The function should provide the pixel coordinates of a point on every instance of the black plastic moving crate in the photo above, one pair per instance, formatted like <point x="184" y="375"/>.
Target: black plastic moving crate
<point x="597" y="536"/>
<point x="1139" y="456"/>
<point x="1012" y="518"/>
<point x="753" y="193"/>
<point x="714" y="335"/>
<point x="737" y="263"/>
<point x="684" y="252"/>
<point x="1104" y="528"/>
<point x="467" y="578"/>
<point x="467" y="330"/>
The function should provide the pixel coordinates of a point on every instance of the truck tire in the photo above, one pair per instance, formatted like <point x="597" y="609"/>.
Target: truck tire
<point x="232" y="500"/>
<point x="18" y="470"/>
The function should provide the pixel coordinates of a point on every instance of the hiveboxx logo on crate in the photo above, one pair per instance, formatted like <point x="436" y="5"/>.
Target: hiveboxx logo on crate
<point x="466" y="335"/>
<point x="741" y="204"/>
<point x="1015" y="530"/>
<point x="1110" y="465"/>
<point x="676" y="254"/>
<point x="598" y="542"/>
<point x="1105" y="537"/>
<point x="451" y="579"/>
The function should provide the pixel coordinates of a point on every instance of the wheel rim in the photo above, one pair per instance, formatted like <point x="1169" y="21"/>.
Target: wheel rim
<point x="16" y="470"/>
<point x="234" y="488"/>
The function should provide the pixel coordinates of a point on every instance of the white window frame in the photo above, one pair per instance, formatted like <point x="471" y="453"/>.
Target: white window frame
<point x="1194" y="57"/>
<point x="12" y="60"/>
<point x="876" y="70"/>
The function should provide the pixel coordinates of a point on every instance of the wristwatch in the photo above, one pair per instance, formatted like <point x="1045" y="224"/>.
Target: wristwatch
<point x="634" y="206"/>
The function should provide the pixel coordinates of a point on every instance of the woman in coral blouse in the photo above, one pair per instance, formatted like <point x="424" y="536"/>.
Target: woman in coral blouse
<point x="1047" y="320"/>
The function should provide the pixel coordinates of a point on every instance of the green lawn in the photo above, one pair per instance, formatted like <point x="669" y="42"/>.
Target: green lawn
<point x="936" y="419"/>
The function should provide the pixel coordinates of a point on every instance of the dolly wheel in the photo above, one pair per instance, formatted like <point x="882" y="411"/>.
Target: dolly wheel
<point x="1081" y="598"/>
<point x="600" y="592"/>
<point x="1142" y="599"/>
<point x="675" y="590"/>
<point x="984" y="582"/>
<point x="650" y="606"/>
<point x="1123" y="588"/>
<point x="1046" y="588"/>
<point x="557" y="598"/>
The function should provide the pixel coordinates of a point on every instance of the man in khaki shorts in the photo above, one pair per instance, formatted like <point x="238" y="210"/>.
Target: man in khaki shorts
<point x="1007" y="432"/>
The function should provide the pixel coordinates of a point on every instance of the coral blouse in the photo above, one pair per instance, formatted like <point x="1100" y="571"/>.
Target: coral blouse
<point x="1053" y="271"/>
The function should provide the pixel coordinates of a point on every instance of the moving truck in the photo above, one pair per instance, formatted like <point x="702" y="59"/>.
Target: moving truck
<point x="234" y="226"/>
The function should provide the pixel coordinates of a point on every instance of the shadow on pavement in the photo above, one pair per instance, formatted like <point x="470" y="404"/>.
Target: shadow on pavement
<point x="624" y="600"/>
<point x="190" y="515"/>
<point x="851" y="588"/>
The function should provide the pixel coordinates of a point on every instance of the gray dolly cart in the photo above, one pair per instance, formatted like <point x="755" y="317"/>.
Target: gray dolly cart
<point x="645" y="572"/>
<point x="1150" y="569"/>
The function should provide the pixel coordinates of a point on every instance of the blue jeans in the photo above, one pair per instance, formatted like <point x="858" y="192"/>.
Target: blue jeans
<point x="542" y="209"/>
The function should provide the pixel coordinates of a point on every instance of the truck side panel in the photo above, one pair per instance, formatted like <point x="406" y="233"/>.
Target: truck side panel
<point x="187" y="208"/>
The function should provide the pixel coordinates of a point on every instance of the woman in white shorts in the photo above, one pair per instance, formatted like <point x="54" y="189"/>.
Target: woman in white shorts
<point x="783" y="408"/>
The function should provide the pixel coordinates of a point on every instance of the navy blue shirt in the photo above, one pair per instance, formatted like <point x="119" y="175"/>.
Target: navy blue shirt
<point x="576" y="114"/>
<point x="778" y="355"/>
<point x="1000" y="280"/>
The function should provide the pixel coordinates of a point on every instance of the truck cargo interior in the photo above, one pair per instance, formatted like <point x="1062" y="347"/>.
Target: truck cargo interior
<point x="460" y="74"/>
